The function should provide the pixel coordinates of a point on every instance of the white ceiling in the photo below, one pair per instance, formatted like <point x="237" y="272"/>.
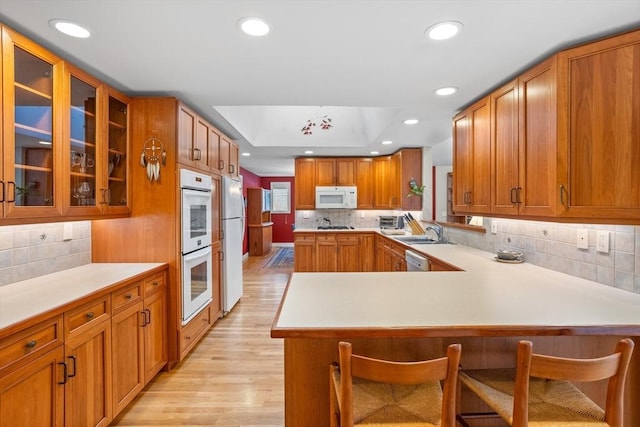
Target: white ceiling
<point x="364" y="63"/>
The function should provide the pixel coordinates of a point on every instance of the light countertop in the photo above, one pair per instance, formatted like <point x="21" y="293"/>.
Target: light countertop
<point x="22" y="300"/>
<point x="486" y="296"/>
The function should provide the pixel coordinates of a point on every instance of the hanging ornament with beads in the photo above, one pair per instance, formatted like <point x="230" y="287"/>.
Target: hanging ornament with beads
<point x="152" y="157"/>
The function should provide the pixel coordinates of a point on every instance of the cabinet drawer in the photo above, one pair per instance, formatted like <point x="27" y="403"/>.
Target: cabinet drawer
<point x="347" y="238"/>
<point x="30" y="342"/>
<point x="192" y="331"/>
<point x="127" y="296"/>
<point x="305" y="238"/>
<point x="326" y="238"/>
<point x="89" y="313"/>
<point x="154" y="284"/>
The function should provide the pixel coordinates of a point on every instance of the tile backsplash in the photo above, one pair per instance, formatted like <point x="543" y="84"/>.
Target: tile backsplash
<point x="28" y="251"/>
<point x="349" y="217"/>
<point x="553" y="246"/>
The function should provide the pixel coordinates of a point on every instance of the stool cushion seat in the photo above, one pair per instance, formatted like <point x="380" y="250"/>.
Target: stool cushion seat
<point x="551" y="402"/>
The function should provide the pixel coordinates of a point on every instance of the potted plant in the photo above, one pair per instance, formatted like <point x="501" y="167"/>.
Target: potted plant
<point x="414" y="188"/>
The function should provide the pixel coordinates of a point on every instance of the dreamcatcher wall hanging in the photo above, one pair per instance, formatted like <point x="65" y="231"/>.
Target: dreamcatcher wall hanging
<point x="152" y="157"/>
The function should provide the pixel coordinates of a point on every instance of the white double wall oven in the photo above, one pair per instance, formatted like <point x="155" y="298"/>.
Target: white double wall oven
<point x="197" y="269"/>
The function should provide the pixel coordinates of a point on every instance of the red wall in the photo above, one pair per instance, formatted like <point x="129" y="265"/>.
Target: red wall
<point x="282" y="223"/>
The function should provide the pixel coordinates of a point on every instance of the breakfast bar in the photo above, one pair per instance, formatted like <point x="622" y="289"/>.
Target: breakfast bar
<point x="487" y="308"/>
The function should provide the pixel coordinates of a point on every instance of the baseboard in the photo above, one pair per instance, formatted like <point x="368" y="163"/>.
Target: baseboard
<point x="245" y="256"/>
<point x="283" y="244"/>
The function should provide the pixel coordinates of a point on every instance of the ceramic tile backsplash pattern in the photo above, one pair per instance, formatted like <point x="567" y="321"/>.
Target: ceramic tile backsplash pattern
<point x="348" y="217"/>
<point x="553" y="246"/>
<point x="28" y="251"/>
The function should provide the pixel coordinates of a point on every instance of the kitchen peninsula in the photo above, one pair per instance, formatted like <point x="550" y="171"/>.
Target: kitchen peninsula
<point x="488" y="307"/>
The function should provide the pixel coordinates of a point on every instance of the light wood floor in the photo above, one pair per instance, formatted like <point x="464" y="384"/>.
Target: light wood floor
<point x="234" y="377"/>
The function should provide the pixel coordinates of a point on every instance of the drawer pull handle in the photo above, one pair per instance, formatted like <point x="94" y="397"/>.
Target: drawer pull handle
<point x="155" y="283"/>
<point x="128" y="296"/>
<point x="31" y="344"/>
<point x="90" y="315"/>
<point x="188" y="337"/>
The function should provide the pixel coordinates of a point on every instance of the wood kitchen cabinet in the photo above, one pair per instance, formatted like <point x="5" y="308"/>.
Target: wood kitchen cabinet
<point x="599" y="129"/>
<point x="347" y="253"/>
<point x="366" y="252"/>
<point x="87" y="344"/>
<point x="229" y="158"/>
<point x="471" y="159"/>
<point x="154" y="325"/>
<point x="381" y="173"/>
<point x="304" y="183"/>
<point x="193" y="139"/>
<point x="66" y="152"/>
<point x="523" y="143"/>
<point x="259" y="222"/>
<point x="335" y="171"/>
<point x="31" y="376"/>
<point x="365" y="183"/>
<point x="32" y="144"/>
<point x="127" y="345"/>
<point x="325" y="253"/>
<point x="304" y="249"/>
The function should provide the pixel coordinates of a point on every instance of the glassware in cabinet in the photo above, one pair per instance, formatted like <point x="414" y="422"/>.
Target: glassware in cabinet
<point x="117" y="193"/>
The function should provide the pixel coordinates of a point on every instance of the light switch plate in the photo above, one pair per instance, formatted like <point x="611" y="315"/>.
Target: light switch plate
<point x="67" y="231"/>
<point x="582" y="241"/>
<point x="602" y="244"/>
<point x="494" y="227"/>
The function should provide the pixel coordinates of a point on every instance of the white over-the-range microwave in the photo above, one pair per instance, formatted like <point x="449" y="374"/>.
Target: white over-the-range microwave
<point x="344" y="197"/>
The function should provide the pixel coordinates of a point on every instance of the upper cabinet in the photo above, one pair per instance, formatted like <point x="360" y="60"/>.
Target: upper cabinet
<point x="64" y="142"/>
<point x="471" y="158"/>
<point x="563" y="139"/>
<point x="202" y="146"/>
<point x="383" y="182"/>
<point x="599" y="128"/>
<point x="32" y="130"/>
<point x="336" y="171"/>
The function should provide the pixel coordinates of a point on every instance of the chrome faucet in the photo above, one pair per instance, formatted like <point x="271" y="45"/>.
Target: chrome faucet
<point x="438" y="229"/>
<point x="326" y="221"/>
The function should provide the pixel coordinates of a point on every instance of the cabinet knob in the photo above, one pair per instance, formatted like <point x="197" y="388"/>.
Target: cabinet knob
<point x="31" y="344"/>
<point x="155" y="283"/>
<point x="128" y="296"/>
<point x="90" y="315"/>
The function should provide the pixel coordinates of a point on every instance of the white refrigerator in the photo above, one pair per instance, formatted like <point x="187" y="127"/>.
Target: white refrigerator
<point x="232" y="237"/>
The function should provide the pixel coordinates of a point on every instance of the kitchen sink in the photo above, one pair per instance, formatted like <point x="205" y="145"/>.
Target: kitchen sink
<point x="418" y="240"/>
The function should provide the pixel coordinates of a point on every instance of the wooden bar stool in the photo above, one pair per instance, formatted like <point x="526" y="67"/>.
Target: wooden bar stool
<point x="541" y="393"/>
<point x="377" y="392"/>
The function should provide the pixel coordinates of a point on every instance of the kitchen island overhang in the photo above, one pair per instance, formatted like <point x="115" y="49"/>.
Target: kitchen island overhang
<point x="413" y="315"/>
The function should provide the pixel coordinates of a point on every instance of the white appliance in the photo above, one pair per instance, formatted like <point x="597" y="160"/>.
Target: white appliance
<point x="345" y="197"/>
<point x="195" y="231"/>
<point x="232" y="238"/>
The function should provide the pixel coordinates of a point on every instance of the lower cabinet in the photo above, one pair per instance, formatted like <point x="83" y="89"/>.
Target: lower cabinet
<point x="33" y="394"/>
<point x="347" y="250"/>
<point x="304" y="249"/>
<point x="87" y="376"/>
<point x="139" y="347"/>
<point x="82" y="367"/>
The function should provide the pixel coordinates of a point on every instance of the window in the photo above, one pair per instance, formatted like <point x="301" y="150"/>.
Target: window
<point x="280" y="197"/>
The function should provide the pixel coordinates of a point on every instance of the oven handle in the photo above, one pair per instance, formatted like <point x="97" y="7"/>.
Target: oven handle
<point x="197" y="254"/>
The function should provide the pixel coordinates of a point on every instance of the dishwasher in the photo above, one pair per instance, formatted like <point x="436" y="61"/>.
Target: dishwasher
<point x="416" y="261"/>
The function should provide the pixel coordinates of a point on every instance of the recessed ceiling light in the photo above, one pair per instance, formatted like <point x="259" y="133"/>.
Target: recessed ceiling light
<point x="70" y="28"/>
<point x="246" y="154"/>
<point x="308" y="152"/>
<point x="375" y="152"/>
<point x="387" y="142"/>
<point x="254" y="26"/>
<point x="444" y="30"/>
<point x="444" y="91"/>
<point x="410" y="121"/>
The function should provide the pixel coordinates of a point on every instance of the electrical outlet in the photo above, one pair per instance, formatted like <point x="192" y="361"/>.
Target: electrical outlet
<point x="362" y="214"/>
<point x="494" y="227"/>
<point x="602" y="244"/>
<point x="583" y="239"/>
<point x="67" y="231"/>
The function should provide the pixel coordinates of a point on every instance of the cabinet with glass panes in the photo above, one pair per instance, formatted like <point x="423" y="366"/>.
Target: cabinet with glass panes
<point x="117" y="195"/>
<point x="31" y="133"/>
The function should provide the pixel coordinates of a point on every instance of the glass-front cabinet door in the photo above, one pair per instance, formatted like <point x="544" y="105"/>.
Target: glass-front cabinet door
<point x="83" y="157"/>
<point x="116" y="197"/>
<point x="31" y="131"/>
